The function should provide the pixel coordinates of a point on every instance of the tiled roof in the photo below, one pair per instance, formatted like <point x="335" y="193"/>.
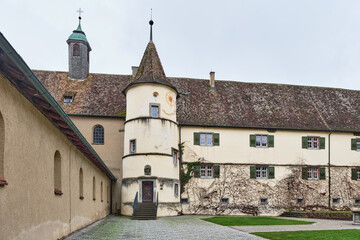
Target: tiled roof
<point x="150" y="69"/>
<point x="232" y="104"/>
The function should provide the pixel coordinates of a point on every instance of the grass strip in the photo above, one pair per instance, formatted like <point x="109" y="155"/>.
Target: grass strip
<point x="253" y="221"/>
<point x="309" y="235"/>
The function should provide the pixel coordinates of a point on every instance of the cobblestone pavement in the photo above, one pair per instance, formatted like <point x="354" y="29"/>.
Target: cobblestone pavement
<point x="320" y="224"/>
<point x="182" y="227"/>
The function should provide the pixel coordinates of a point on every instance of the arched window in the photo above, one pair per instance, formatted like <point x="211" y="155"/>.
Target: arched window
<point x="57" y="173"/>
<point x="98" y="136"/>
<point x="76" y="50"/>
<point x="81" y="184"/>
<point x="2" y="150"/>
<point x="94" y="189"/>
<point x="107" y="193"/>
<point x="102" y="192"/>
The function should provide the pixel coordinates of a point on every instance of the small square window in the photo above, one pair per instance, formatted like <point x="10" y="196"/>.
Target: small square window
<point x="206" y="139"/>
<point x="300" y="201"/>
<point x="154" y="110"/>
<point x="184" y="200"/>
<point x="206" y="171"/>
<point x="261" y="141"/>
<point x="264" y="201"/>
<point x="336" y="200"/>
<point x="313" y="142"/>
<point x="133" y="146"/>
<point x="224" y="200"/>
<point x="68" y="99"/>
<point x="261" y="172"/>
<point x="357" y="202"/>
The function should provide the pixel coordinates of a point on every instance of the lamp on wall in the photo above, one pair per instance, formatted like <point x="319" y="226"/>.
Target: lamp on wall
<point x="161" y="184"/>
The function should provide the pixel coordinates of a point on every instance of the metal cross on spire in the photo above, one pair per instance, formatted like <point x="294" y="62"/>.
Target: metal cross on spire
<point x="79" y="11"/>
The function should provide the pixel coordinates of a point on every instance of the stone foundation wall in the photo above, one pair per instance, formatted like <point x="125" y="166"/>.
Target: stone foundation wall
<point x="204" y="195"/>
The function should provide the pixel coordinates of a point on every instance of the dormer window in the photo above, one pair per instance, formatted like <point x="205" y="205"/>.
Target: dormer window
<point x="68" y="99"/>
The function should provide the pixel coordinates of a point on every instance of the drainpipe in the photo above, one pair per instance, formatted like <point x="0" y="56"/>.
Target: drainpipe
<point x="180" y="159"/>
<point x="329" y="173"/>
<point x="111" y="193"/>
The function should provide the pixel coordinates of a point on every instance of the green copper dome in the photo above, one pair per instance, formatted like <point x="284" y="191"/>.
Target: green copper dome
<point x="78" y="34"/>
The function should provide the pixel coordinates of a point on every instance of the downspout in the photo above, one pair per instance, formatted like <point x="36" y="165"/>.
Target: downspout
<point x="329" y="172"/>
<point x="180" y="160"/>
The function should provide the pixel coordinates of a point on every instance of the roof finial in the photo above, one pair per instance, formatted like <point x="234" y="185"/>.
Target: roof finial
<point x="151" y="23"/>
<point x="79" y="11"/>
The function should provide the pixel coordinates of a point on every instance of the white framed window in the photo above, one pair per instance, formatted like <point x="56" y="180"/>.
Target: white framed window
<point x="358" y="144"/>
<point x="261" y="141"/>
<point x="68" y="99"/>
<point x="133" y="146"/>
<point x="313" y="142"/>
<point x="154" y="110"/>
<point x="206" y="139"/>
<point x="262" y="173"/>
<point x="358" y="175"/>
<point x="206" y="171"/>
<point x="313" y="173"/>
<point x="175" y="154"/>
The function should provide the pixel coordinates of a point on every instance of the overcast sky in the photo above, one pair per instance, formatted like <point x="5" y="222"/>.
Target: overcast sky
<point x="302" y="42"/>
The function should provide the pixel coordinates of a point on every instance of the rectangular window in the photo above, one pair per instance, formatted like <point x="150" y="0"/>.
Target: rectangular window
<point x="261" y="141"/>
<point x="300" y="201"/>
<point x="184" y="200"/>
<point x="154" y="110"/>
<point x="224" y="200"/>
<point x="176" y="190"/>
<point x="68" y="99"/>
<point x="336" y="200"/>
<point x="206" y="139"/>
<point x="133" y="146"/>
<point x="313" y="173"/>
<point x="357" y="144"/>
<point x="261" y="172"/>
<point x="206" y="171"/>
<point x="358" y="175"/>
<point x="175" y="154"/>
<point x="263" y="201"/>
<point x="357" y="202"/>
<point x="313" y="142"/>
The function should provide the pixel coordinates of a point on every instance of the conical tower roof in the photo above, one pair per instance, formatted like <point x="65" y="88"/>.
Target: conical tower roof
<point x="150" y="69"/>
<point x="78" y="34"/>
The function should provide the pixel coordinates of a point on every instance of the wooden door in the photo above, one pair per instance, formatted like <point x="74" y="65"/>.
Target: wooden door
<point x="147" y="191"/>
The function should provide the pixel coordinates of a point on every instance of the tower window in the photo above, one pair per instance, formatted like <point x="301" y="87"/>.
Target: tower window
<point x="133" y="146"/>
<point x="176" y="190"/>
<point x="175" y="154"/>
<point x="76" y="50"/>
<point x="154" y="110"/>
<point x="98" y="137"/>
<point x="81" y="184"/>
<point x="57" y="173"/>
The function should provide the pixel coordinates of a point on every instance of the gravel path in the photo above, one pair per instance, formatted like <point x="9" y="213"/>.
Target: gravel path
<point x="182" y="227"/>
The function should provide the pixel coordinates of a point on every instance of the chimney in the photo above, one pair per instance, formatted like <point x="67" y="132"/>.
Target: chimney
<point x="134" y="71"/>
<point x="212" y="80"/>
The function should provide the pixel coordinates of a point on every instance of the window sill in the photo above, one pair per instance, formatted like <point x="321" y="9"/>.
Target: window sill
<point x="98" y="143"/>
<point x="81" y="197"/>
<point x="207" y="177"/>
<point x="58" y="192"/>
<point x="3" y="182"/>
<point x="262" y="178"/>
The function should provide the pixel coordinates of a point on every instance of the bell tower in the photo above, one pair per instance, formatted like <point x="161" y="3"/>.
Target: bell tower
<point x="79" y="53"/>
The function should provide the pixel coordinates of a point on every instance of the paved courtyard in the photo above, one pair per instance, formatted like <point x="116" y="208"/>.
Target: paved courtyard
<point x="182" y="227"/>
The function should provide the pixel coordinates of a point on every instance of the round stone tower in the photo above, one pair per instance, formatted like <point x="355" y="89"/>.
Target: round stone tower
<point x="79" y="53"/>
<point x="150" y="163"/>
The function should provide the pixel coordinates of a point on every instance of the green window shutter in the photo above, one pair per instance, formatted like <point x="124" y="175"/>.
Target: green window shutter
<point x="305" y="173"/>
<point x="252" y="172"/>
<point x="271" y="141"/>
<point x="322" y="173"/>
<point x="252" y="140"/>
<point x="304" y="142"/>
<point x="216" y="139"/>
<point x="353" y="174"/>
<point x="271" y="172"/>
<point x="196" y="138"/>
<point x="353" y="144"/>
<point x="196" y="171"/>
<point x="322" y="143"/>
<point x="216" y="171"/>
